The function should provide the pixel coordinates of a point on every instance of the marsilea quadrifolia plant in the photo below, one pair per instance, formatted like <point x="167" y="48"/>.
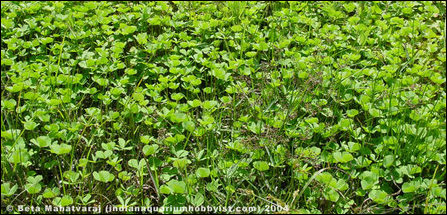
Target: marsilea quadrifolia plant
<point x="299" y="107"/>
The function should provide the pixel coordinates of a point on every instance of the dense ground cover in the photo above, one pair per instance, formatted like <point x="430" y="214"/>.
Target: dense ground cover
<point x="317" y="107"/>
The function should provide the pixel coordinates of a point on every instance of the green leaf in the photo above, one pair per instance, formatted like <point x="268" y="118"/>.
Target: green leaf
<point x="203" y="172"/>
<point x="43" y="141"/>
<point x="195" y="103"/>
<point x="327" y="179"/>
<point x="173" y="204"/>
<point x="352" y="113"/>
<point x="130" y="71"/>
<point x="303" y="75"/>
<point x="9" y="104"/>
<point x="189" y="126"/>
<point x="331" y="195"/>
<point x="71" y="175"/>
<point x="345" y="123"/>
<point x="397" y="21"/>
<point x="66" y="200"/>
<point x="410" y="187"/>
<point x="349" y="7"/>
<point x="51" y="193"/>
<point x="342" y="185"/>
<point x="177" y="96"/>
<point x="47" y="40"/>
<point x="10" y="134"/>
<point x="125" y="29"/>
<point x="124" y="175"/>
<point x="137" y="165"/>
<point x="165" y="189"/>
<point x="150" y="149"/>
<point x="141" y="38"/>
<point x="103" y="176"/>
<point x="388" y="161"/>
<point x="146" y="139"/>
<point x="379" y="196"/>
<point x="261" y="165"/>
<point x="220" y="73"/>
<point x="19" y="156"/>
<point x="7" y="190"/>
<point x="177" y="186"/>
<point x="33" y="186"/>
<point x="197" y="200"/>
<point x="213" y="186"/>
<point x="208" y="105"/>
<point x="30" y="125"/>
<point x="256" y="128"/>
<point x="179" y="117"/>
<point x="343" y="157"/>
<point x="375" y="112"/>
<point x="251" y="54"/>
<point x="60" y="149"/>
<point x="236" y="28"/>
<point x="206" y="120"/>
<point x="368" y="180"/>
<point x="181" y="163"/>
